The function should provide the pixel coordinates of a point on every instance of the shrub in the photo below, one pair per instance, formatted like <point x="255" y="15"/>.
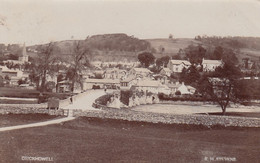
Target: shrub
<point x="178" y="93"/>
<point x="125" y="95"/>
<point x="103" y="99"/>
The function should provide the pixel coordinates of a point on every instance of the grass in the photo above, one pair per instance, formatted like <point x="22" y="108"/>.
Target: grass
<point x="105" y="140"/>
<point x="171" y="46"/>
<point x="19" y="119"/>
<point x="18" y="92"/>
<point x="25" y="93"/>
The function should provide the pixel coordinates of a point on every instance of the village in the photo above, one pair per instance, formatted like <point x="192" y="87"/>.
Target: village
<point x="120" y="76"/>
<point x="129" y="81"/>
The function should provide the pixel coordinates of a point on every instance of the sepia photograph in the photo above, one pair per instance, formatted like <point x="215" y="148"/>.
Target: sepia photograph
<point x="138" y="81"/>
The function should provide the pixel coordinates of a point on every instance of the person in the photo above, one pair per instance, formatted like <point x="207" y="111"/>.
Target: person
<point x="71" y="99"/>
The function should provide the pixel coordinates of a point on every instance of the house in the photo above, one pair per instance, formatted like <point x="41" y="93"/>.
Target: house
<point x="165" y="72"/>
<point x="23" y="57"/>
<point x="114" y="73"/>
<point x="152" y="86"/>
<point x="126" y="84"/>
<point x="178" y="65"/>
<point x="101" y="83"/>
<point x="14" y="74"/>
<point x="66" y="87"/>
<point x="140" y="72"/>
<point x="210" y="65"/>
<point x="182" y="88"/>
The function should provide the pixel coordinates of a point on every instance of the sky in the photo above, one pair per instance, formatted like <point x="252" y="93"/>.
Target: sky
<point x="38" y="21"/>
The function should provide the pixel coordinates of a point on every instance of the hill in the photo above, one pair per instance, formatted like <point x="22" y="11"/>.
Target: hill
<point x="121" y="47"/>
<point x="170" y="46"/>
<point x="107" y="47"/>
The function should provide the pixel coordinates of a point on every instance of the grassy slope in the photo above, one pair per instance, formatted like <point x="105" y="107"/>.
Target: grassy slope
<point x="93" y="140"/>
<point x="171" y="46"/>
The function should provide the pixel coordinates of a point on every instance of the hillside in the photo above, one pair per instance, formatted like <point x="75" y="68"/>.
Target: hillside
<point x="171" y="46"/>
<point x="121" y="47"/>
<point x="107" y="47"/>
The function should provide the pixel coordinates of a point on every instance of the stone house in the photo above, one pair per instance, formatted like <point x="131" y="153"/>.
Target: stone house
<point x="178" y="65"/>
<point x="211" y="65"/>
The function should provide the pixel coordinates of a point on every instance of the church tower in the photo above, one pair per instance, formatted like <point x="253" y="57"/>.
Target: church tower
<point x="24" y="57"/>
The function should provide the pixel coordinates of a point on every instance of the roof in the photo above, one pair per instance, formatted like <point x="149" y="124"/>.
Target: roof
<point x="142" y="70"/>
<point x="174" y="85"/>
<point x="166" y="69"/>
<point x="215" y="62"/>
<point x="128" y="79"/>
<point x="148" y="83"/>
<point x="103" y="81"/>
<point x="178" y="62"/>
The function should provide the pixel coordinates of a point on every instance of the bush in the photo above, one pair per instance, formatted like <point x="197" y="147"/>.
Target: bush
<point x="103" y="99"/>
<point x="95" y="87"/>
<point x="125" y="95"/>
<point x="178" y="93"/>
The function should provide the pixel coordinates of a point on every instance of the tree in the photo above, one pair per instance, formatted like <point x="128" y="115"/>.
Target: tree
<point x="1" y="81"/>
<point x="195" y="54"/>
<point x="190" y="76"/>
<point x="146" y="59"/>
<point x="170" y="36"/>
<point x="162" y="62"/>
<point x="45" y="60"/>
<point x="218" y="53"/>
<point x="220" y="85"/>
<point x="79" y="60"/>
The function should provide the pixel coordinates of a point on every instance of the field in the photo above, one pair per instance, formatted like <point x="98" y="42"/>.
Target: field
<point x="106" y="140"/>
<point x="171" y="46"/>
<point x="21" y="94"/>
<point x="19" y="119"/>
<point x="18" y="92"/>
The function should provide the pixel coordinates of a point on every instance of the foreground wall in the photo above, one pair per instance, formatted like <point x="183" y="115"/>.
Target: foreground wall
<point x="126" y="114"/>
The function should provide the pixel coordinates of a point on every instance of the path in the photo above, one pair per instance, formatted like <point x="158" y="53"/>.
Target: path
<point x="55" y="121"/>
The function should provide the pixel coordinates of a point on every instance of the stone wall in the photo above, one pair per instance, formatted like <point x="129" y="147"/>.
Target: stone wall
<point x="29" y="110"/>
<point x="206" y="120"/>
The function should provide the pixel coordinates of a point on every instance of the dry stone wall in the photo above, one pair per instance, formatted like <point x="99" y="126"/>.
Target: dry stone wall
<point x="206" y="120"/>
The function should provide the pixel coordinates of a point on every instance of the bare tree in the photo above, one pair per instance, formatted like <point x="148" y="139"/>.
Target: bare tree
<point x="79" y="62"/>
<point x="221" y="85"/>
<point x="45" y="61"/>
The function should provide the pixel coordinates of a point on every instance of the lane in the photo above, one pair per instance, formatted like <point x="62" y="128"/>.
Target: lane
<point x="85" y="100"/>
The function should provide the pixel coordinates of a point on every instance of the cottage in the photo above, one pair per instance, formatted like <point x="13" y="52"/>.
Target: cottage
<point x="178" y="65"/>
<point x="127" y="83"/>
<point x="165" y="72"/>
<point x="101" y="83"/>
<point x="210" y="65"/>
<point x="140" y="72"/>
<point x="152" y="86"/>
<point x="13" y="74"/>
<point x="182" y="88"/>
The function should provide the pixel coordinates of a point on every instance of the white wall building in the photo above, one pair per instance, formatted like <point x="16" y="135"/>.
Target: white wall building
<point x="210" y="65"/>
<point x="178" y="65"/>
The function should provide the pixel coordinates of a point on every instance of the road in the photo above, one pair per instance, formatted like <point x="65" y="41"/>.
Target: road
<point x="85" y="100"/>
